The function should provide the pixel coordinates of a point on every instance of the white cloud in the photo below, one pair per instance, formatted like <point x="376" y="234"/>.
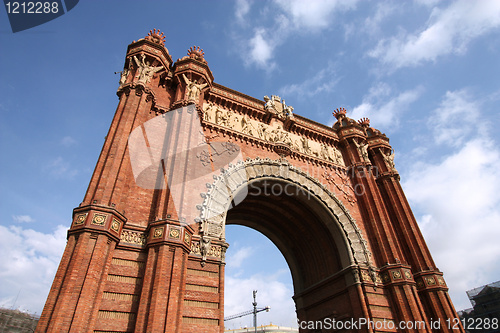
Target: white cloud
<point x="30" y="260"/>
<point x="286" y="17"/>
<point x="261" y="50"/>
<point x="456" y="118"/>
<point x="60" y="168"/>
<point x="458" y="201"/>
<point x="322" y="82"/>
<point x="23" y="218"/>
<point x="427" y="3"/>
<point x="242" y="9"/>
<point x="372" y="23"/>
<point x="457" y="198"/>
<point x="382" y="107"/>
<point x="68" y="141"/>
<point x="236" y="260"/>
<point x="313" y="14"/>
<point x="270" y="292"/>
<point x="448" y="30"/>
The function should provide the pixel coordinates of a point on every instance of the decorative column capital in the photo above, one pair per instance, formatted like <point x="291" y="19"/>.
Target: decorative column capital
<point x="170" y="232"/>
<point x="395" y="274"/>
<point x="430" y="280"/>
<point x="98" y="218"/>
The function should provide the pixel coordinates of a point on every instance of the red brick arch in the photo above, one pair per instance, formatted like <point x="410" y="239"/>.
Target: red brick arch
<point x="152" y="258"/>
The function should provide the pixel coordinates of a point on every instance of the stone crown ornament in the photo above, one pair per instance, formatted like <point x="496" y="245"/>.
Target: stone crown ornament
<point x="195" y="52"/>
<point x="339" y="113"/>
<point x="156" y="37"/>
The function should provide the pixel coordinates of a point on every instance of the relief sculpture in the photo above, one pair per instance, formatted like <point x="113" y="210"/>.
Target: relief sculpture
<point x="274" y="133"/>
<point x="144" y="69"/>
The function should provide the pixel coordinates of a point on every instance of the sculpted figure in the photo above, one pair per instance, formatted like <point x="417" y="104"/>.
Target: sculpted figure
<point x="325" y="153"/>
<point x="205" y="247"/>
<point x="338" y="156"/>
<point x="246" y="126"/>
<point x="125" y="72"/>
<point x="305" y="145"/>
<point x="363" y="151"/>
<point x="286" y="111"/>
<point x="144" y="69"/>
<point x="193" y="88"/>
<point x="269" y="106"/>
<point x="207" y="113"/>
<point x="277" y="135"/>
<point x="221" y="117"/>
<point x="262" y="132"/>
<point x="286" y="139"/>
<point x="389" y="160"/>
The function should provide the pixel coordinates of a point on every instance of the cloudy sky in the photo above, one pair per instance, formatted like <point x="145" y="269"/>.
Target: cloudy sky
<point x="425" y="73"/>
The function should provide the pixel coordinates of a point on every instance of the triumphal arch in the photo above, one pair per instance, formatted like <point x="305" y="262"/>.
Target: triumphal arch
<point x="185" y="156"/>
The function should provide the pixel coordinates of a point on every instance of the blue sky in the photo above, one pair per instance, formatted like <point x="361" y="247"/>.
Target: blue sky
<point x="425" y="73"/>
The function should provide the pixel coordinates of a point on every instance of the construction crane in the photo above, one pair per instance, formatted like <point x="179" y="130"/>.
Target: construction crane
<point x="254" y="311"/>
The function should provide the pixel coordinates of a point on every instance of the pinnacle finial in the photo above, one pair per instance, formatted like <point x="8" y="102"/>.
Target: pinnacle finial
<point x="195" y="52"/>
<point x="339" y="113"/>
<point x="365" y="122"/>
<point x="156" y="36"/>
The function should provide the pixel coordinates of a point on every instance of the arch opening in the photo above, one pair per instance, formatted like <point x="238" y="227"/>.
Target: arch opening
<point x="253" y="262"/>
<point x="320" y="241"/>
<point x="298" y="224"/>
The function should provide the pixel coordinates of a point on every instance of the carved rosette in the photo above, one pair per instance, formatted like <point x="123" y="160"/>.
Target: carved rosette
<point x="397" y="274"/>
<point x="370" y="276"/>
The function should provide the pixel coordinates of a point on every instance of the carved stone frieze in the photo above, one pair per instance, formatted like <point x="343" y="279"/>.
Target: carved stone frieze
<point x="205" y="248"/>
<point x="134" y="237"/>
<point x="195" y="248"/>
<point x="273" y="133"/>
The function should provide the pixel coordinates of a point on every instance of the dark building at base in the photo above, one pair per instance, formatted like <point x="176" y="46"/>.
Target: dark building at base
<point x="484" y="316"/>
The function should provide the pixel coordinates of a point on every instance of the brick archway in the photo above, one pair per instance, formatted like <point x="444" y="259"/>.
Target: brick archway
<point x="150" y="258"/>
<point x="244" y="175"/>
<point x="310" y="226"/>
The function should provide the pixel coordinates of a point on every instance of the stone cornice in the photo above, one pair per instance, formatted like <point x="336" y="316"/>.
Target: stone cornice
<point x="235" y="100"/>
<point x="185" y="64"/>
<point x="314" y="130"/>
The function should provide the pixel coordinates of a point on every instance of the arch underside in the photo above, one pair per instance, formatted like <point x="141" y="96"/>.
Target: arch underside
<point x="310" y="226"/>
<point x="294" y="223"/>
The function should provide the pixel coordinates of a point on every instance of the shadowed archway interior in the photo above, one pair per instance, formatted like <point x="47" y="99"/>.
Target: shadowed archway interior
<point x="298" y="224"/>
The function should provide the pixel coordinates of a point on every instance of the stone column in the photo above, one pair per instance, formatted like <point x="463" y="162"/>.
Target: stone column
<point x="162" y="295"/>
<point x="434" y="298"/>
<point x="74" y="299"/>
